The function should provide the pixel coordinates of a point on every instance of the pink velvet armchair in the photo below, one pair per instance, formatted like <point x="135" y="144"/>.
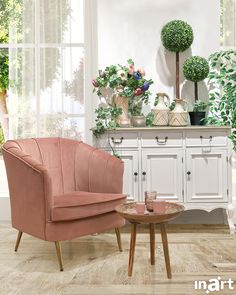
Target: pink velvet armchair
<point x="61" y="189"/>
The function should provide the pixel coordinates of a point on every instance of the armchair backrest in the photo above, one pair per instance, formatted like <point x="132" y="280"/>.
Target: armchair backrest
<point x="56" y="154"/>
<point x="73" y="165"/>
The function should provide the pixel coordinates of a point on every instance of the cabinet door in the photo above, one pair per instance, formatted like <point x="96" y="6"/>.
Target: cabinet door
<point x="162" y="171"/>
<point x="206" y="175"/>
<point x="131" y="174"/>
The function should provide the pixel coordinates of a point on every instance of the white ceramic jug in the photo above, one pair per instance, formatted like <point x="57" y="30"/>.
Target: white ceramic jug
<point x="161" y="111"/>
<point x="179" y="116"/>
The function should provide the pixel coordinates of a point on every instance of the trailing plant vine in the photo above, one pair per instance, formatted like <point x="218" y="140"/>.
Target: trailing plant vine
<point x="222" y="94"/>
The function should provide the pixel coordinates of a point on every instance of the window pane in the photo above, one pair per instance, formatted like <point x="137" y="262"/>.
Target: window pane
<point x="50" y="80"/>
<point x="61" y="21"/>
<point x="22" y="96"/>
<point x="73" y="77"/>
<point x="61" y="125"/>
<point x="228" y="23"/>
<point x="23" y="127"/>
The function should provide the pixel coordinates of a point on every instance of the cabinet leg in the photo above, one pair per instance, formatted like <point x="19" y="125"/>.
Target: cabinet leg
<point x="230" y="215"/>
<point x="131" y="249"/>
<point x="152" y="242"/>
<point x="166" y="250"/>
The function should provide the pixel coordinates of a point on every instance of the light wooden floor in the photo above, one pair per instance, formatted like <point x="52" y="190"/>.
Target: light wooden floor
<point x="93" y="264"/>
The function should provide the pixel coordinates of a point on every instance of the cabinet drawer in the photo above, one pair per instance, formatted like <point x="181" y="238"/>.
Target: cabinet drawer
<point x="123" y="140"/>
<point x="161" y="139"/>
<point x="206" y="139"/>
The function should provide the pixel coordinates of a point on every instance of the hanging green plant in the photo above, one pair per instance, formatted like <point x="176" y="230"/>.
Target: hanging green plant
<point x="222" y="85"/>
<point x="177" y="36"/>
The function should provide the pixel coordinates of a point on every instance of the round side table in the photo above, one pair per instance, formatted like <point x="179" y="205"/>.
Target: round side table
<point x="169" y="212"/>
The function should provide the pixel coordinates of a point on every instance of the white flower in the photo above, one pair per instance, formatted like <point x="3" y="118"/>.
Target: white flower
<point x="122" y="74"/>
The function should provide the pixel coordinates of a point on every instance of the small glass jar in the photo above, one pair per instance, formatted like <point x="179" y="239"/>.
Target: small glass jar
<point x="150" y="196"/>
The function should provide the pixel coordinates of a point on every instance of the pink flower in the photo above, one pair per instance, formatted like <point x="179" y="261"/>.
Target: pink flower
<point x="138" y="92"/>
<point x="141" y="72"/>
<point x="131" y="69"/>
<point x="95" y="83"/>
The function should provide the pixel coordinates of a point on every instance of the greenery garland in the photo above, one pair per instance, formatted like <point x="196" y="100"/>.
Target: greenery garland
<point x="222" y="85"/>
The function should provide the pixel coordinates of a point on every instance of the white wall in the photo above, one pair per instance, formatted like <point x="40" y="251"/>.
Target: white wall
<point x="131" y="29"/>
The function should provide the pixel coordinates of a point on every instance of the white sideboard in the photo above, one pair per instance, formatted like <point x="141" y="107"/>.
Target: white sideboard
<point x="190" y="165"/>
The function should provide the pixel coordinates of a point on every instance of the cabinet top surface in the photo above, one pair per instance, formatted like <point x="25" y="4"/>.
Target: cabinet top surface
<point x="170" y="128"/>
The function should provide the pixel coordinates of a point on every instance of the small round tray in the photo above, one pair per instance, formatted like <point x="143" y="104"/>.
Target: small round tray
<point x="128" y="211"/>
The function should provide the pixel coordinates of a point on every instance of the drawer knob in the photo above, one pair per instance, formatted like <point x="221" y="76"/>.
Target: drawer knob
<point x="135" y="173"/>
<point x="144" y="173"/>
<point x="117" y="141"/>
<point x="188" y="173"/>
<point x="161" y="141"/>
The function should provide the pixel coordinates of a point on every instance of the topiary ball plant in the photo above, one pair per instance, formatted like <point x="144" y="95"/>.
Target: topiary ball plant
<point x="196" y="69"/>
<point x="177" y="36"/>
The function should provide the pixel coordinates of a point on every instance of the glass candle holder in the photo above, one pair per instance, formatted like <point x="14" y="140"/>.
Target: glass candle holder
<point x="140" y="208"/>
<point x="150" y="196"/>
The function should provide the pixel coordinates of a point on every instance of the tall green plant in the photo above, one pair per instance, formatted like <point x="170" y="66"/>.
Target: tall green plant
<point x="222" y="85"/>
<point x="177" y="36"/>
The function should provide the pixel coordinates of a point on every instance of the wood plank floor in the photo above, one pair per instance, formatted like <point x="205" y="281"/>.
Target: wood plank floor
<point x="93" y="264"/>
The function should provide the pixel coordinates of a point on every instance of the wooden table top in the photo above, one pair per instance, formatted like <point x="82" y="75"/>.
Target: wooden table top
<point x="128" y="211"/>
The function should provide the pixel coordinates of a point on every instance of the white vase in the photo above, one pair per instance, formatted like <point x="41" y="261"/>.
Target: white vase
<point x="178" y="117"/>
<point x="161" y="111"/>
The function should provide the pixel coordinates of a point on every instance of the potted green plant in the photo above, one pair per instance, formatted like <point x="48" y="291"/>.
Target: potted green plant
<point x="123" y="90"/>
<point x="196" y="69"/>
<point x="197" y="116"/>
<point x="177" y="36"/>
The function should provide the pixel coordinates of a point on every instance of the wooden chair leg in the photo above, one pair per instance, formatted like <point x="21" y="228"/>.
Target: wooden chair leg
<point x="18" y="240"/>
<point x="118" y="239"/>
<point x="58" y="249"/>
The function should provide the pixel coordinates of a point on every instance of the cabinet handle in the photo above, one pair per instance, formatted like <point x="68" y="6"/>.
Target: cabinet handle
<point x="188" y="172"/>
<point x="160" y="141"/>
<point x="210" y="137"/>
<point x="135" y="173"/>
<point x="144" y="173"/>
<point x="117" y="141"/>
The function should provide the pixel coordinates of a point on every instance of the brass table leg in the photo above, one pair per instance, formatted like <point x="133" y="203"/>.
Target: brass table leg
<point x="166" y="250"/>
<point x="131" y="250"/>
<point x="152" y="242"/>
<point x="118" y="239"/>
<point x="18" y="240"/>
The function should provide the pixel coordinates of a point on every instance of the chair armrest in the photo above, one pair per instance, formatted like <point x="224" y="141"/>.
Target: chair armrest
<point x="30" y="192"/>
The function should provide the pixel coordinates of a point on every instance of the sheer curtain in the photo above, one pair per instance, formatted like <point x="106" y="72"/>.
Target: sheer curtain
<point x="228" y="24"/>
<point x="46" y="70"/>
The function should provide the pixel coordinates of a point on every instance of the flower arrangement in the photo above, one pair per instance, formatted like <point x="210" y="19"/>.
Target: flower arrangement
<point x="126" y="81"/>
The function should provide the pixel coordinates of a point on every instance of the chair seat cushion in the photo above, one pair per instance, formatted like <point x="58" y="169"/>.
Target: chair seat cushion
<point x="78" y="205"/>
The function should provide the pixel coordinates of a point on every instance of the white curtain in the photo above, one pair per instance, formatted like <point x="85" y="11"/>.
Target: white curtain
<point x="46" y="61"/>
<point x="228" y="24"/>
